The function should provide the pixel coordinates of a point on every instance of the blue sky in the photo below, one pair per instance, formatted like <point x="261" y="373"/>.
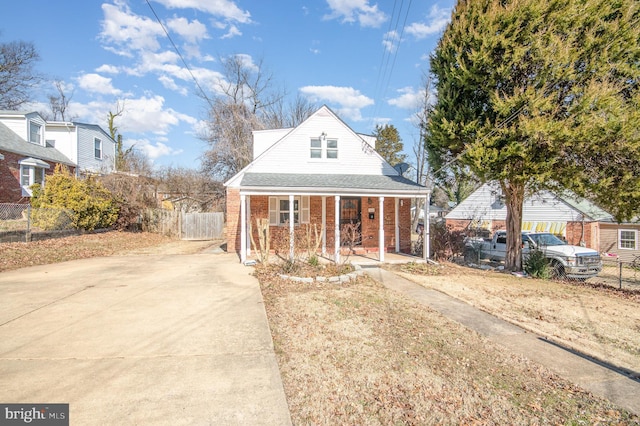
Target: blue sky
<point x="363" y="59"/>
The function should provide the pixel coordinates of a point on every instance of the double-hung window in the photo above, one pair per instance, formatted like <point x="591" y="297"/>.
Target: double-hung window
<point x="35" y="133"/>
<point x="280" y="208"/>
<point x="323" y="148"/>
<point x="628" y="239"/>
<point x="97" y="148"/>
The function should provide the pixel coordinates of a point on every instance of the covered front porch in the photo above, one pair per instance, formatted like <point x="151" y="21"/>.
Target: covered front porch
<point x="357" y="226"/>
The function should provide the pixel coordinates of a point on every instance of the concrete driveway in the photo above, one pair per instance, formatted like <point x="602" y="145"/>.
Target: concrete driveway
<point x="150" y="340"/>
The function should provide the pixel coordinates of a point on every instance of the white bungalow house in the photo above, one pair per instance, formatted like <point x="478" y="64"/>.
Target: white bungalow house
<point x="321" y="172"/>
<point x="578" y="221"/>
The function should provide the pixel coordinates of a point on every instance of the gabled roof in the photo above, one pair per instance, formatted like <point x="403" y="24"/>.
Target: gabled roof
<point x="483" y="203"/>
<point x="11" y="142"/>
<point x="282" y="167"/>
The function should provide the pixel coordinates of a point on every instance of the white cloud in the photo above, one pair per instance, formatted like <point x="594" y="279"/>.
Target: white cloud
<point x="233" y="32"/>
<point x="349" y="100"/>
<point x="437" y="21"/>
<point x="170" y="84"/>
<point x="226" y="9"/>
<point x="96" y="83"/>
<point x="108" y="69"/>
<point x="193" y="31"/>
<point x="408" y="98"/>
<point x="148" y="114"/>
<point x="390" y="41"/>
<point x="356" y="10"/>
<point x="128" y="32"/>
<point x="153" y="150"/>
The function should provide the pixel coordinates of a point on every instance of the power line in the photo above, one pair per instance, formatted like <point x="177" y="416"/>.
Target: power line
<point x="193" y="77"/>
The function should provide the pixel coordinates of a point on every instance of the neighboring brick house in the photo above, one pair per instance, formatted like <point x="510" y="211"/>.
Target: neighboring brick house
<point x="578" y="221"/>
<point x="24" y="163"/>
<point x="321" y="173"/>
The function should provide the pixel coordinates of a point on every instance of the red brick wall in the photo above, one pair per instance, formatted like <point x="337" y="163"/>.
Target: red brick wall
<point x="10" y="188"/>
<point x="260" y="209"/>
<point x="587" y="233"/>
<point x="233" y="220"/>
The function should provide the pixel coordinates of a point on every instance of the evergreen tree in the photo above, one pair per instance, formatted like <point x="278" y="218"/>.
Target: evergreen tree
<point x="541" y="94"/>
<point x="388" y="144"/>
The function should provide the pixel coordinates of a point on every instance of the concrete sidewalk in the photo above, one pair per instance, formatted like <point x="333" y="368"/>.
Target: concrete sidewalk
<point x="161" y="340"/>
<point x="592" y="376"/>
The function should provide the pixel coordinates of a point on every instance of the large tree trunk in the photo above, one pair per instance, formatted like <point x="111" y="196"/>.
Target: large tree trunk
<point x="514" y="199"/>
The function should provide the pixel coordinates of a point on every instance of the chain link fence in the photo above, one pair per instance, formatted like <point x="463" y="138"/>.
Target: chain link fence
<point x="22" y="223"/>
<point x="623" y="275"/>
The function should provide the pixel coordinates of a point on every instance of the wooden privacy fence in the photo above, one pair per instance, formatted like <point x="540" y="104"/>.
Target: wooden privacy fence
<point x="202" y="226"/>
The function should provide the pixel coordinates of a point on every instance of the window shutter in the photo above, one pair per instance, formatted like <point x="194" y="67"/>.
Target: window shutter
<point x="304" y="210"/>
<point x="273" y="211"/>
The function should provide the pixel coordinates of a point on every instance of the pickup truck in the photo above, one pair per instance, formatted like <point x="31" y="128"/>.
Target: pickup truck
<point x="568" y="261"/>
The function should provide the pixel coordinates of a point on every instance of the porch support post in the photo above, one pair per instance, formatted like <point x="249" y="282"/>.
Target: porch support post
<point x="243" y="228"/>
<point x="248" y="238"/>
<point x="397" y="224"/>
<point x="381" y="231"/>
<point x="426" y="237"/>
<point x="324" y="225"/>
<point x="337" y="229"/>
<point x="291" y="227"/>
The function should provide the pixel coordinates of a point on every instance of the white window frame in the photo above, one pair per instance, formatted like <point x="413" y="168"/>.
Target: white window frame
<point x="276" y="217"/>
<point x="319" y="148"/>
<point x="38" y="134"/>
<point x="97" y="148"/>
<point x="628" y="240"/>
<point x="33" y="175"/>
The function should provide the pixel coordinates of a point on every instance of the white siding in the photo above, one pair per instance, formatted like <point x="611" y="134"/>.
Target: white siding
<point x="86" y="158"/>
<point x="263" y="139"/>
<point x="292" y="153"/>
<point x="65" y="137"/>
<point x="541" y="212"/>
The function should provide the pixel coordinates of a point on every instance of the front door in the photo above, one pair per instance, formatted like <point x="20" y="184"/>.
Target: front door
<point x="351" y="221"/>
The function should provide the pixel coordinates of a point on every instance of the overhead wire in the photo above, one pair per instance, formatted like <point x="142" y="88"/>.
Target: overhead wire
<point x="175" y="47"/>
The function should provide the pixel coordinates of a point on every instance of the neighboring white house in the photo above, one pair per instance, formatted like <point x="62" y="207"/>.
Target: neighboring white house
<point x="574" y="219"/>
<point x="87" y="145"/>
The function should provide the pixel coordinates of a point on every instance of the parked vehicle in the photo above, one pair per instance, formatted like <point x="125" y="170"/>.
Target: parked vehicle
<point x="566" y="260"/>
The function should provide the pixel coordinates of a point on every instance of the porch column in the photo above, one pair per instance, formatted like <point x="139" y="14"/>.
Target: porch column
<point x="248" y="238"/>
<point x="243" y="228"/>
<point x="291" y="227"/>
<point x="337" y="229"/>
<point x="324" y="225"/>
<point x="426" y="233"/>
<point x="397" y="224"/>
<point x="381" y="231"/>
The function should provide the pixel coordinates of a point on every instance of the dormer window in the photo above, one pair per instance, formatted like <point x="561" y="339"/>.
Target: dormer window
<point x="35" y="133"/>
<point x="323" y="148"/>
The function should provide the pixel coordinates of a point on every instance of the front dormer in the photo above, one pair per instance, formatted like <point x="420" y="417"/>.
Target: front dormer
<point x="35" y="128"/>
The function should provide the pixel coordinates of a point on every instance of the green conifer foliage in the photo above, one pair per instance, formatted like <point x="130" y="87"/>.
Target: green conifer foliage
<point x="541" y="94"/>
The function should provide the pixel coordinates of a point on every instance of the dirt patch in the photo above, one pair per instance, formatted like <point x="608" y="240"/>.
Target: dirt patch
<point x="600" y="321"/>
<point x="358" y="353"/>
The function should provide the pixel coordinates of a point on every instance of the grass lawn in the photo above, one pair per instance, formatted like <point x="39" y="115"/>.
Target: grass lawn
<point x="358" y="353"/>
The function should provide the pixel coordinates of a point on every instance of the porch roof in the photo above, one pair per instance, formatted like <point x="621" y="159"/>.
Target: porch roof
<point x="330" y="184"/>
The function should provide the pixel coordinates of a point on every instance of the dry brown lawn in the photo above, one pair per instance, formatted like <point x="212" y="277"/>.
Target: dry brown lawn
<point x="20" y="255"/>
<point x="600" y="321"/>
<point x="359" y="353"/>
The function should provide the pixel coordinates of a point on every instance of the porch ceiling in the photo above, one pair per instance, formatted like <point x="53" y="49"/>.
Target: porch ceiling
<point x="331" y="184"/>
